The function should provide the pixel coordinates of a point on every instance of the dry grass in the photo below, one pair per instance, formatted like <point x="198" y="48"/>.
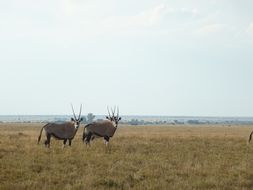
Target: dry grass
<point x="208" y="157"/>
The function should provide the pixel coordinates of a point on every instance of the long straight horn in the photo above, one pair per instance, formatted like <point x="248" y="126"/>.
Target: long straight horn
<point x="108" y="112"/>
<point x="80" y="111"/>
<point x="113" y="111"/>
<point x="73" y="112"/>
<point x="117" y="112"/>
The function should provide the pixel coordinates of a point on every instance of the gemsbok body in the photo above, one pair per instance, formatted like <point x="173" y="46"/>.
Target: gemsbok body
<point x="64" y="131"/>
<point x="104" y="129"/>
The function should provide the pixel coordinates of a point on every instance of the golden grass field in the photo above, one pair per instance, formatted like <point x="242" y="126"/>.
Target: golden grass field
<point x="148" y="157"/>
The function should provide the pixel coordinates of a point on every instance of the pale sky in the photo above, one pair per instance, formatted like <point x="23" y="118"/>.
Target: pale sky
<point x="150" y="57"/>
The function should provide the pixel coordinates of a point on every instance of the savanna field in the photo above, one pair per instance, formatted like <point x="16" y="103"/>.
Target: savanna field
<point x="147" y="157"/>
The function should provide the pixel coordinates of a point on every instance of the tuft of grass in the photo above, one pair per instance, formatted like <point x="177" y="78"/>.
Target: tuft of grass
<point x="207" y="157"/>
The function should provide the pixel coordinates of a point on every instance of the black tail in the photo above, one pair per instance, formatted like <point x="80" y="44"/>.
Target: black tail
<point x="41" y="133"/>
<point x="84" y="134"/>
<point x="250" y="137"/>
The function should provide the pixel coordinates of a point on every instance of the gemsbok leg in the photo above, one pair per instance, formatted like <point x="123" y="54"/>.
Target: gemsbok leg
<point x="87" y="138"/>
<point x="47" y="142"/>
<point x="106" y="139"/>
<point x="64" y="143"/>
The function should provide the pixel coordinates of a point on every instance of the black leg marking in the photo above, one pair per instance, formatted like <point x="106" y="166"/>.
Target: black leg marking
<point x="48" y="140"/>
<point x="106" y="138"/>
<point x="88" y="137"/>
<point x="64" y="142"/>
<point x="45" y="142"/>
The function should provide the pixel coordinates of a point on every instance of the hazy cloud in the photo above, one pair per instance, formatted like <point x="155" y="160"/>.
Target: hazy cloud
<point x="210" y="29"/>
<point x="250" y="28"/>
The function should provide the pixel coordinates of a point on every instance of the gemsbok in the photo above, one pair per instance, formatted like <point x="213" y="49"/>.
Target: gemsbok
<point x="62" y="131"/>
<point x="104" y="129"/>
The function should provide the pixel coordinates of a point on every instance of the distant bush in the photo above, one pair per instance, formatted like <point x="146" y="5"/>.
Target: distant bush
<point x="90" y="117"/>
<point x="193" y="122"/>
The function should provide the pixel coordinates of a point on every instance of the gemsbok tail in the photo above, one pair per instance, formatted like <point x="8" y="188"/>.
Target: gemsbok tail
<point x="84" y="134"/>
<point x="250" y="137"/>
<point x="41" y="133"/>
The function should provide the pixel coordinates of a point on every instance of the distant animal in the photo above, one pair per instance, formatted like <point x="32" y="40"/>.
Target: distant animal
<point x="250" y="137"/>
<point x="64" y="131"/>
<point x="104" y="129"/>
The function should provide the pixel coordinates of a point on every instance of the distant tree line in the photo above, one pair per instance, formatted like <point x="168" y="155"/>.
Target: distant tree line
<point x="91" y="118"/>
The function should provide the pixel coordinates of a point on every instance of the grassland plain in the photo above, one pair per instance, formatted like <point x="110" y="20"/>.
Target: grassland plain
<point x="145" y="157"/>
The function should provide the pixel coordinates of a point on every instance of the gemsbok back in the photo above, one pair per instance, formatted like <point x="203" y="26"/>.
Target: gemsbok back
<point x="105" y="129"/>
<point x="63" y="131"/>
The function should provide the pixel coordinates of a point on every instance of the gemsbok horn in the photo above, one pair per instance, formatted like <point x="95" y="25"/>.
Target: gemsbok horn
<point x="105" y="129"/>
<point x="63" y="131"/>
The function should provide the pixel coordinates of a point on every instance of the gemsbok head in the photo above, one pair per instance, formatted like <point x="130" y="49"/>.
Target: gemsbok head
<point x="62" y="131"/>
<point x="104" y="129"/>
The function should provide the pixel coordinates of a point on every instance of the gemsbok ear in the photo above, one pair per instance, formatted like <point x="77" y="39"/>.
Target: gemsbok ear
<point x="119" y="118"/>
<point x="81" y="119"/>
<point x="107" y="117"/>
<point x="72" y="119"/>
